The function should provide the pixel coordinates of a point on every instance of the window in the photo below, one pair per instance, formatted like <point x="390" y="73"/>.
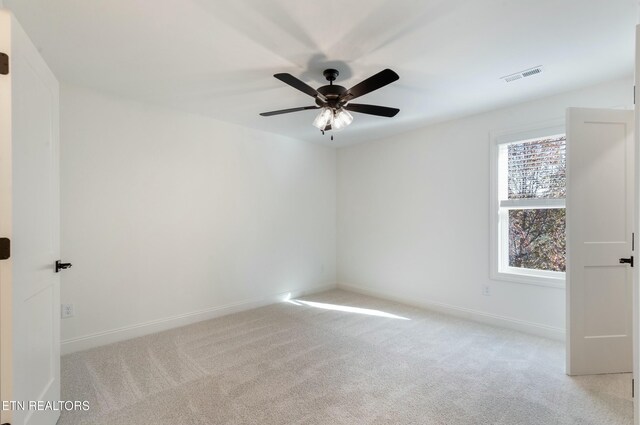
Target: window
<point x="529" y="209"/>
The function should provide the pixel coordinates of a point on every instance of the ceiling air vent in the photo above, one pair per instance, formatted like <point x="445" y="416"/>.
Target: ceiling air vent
<point x="513" y="77"/>
<point x="522" y="74"/>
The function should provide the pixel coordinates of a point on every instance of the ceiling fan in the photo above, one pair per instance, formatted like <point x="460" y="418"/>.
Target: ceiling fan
<point x="334" y="101"/>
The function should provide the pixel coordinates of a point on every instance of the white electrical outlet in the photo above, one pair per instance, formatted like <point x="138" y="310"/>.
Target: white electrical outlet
<point x="67" y="311"/>
<point x="486" y="290"/>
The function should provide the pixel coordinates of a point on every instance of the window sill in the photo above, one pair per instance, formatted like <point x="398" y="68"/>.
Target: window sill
<point x="529" y="279"/>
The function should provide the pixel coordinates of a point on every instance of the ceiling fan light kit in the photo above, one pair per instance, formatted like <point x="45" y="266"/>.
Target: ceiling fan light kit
<point x="332" y="119"/>
<point x="334" y="100"/>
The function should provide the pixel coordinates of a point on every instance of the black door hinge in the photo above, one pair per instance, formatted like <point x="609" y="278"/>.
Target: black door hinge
<point x="4" y="64"/>
<point x="5" y="248"/>
<point x="633" y="388"/>
<point x="62" y="266"/>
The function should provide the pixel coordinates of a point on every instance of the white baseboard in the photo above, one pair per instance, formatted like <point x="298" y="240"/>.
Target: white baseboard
<point x="466" y="313"/>
<point x="127" y="332"/>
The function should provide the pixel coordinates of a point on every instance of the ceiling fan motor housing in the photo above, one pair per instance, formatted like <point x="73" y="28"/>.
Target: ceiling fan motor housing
<point x="332" y="93"/>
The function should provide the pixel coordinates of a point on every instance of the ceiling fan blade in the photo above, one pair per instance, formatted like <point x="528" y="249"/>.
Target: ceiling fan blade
<point x="286" y="111"/>
<point x="298" y="84"/>
<point x="372" y="83"/>
<point x="381" y="111"/>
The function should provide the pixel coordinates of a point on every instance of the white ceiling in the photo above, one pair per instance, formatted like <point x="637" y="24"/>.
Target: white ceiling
<point x="217" y="57"/>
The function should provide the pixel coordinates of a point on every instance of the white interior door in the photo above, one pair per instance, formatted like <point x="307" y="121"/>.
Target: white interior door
<point x="636" y="275"/>
<point x="34" y="224"/>
<point x="5" y="225"/>
<point x="600" y="214"/>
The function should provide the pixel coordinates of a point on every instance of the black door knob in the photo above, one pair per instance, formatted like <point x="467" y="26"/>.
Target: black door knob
<point x="627" y="261"/>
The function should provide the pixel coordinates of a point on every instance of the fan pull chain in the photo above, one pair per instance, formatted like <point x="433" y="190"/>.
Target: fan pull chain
<point x="322" y="131"/>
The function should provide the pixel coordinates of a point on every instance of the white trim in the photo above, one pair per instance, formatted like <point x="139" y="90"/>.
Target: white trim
<point x="132" y="331"/>
<point x="529" y="132"/>
<point x="531" y="277"/>
<point x="532" y="328"/>
<point x="517" y="204"/>
<point x="496" y="139"/>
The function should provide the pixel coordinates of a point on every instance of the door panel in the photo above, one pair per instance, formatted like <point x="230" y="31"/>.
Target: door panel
<point x="35" y="229"/>
<point x="600" y="295"/>
<point x="600" y="211"/>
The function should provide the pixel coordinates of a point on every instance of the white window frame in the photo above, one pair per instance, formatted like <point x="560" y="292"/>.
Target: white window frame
<point x="498" y="226"/>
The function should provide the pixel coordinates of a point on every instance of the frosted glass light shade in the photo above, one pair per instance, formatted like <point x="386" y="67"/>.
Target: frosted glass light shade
<point x="324" y="118"/>
<point x="342" y="119"/>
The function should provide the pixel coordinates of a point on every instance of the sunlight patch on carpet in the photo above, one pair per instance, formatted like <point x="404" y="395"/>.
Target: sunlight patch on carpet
<point x="348" y="309"/>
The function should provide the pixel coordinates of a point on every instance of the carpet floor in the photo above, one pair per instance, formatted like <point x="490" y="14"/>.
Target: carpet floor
<point x="338" y="358"/>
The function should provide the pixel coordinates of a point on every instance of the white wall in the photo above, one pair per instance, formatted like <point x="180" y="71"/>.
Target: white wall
<point x="413" y="215"/>
<point x="167" y="215"/>
<point x="170" y="218"/>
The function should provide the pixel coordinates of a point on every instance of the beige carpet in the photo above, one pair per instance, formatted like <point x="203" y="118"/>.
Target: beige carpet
<point x="311" y="363"/>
